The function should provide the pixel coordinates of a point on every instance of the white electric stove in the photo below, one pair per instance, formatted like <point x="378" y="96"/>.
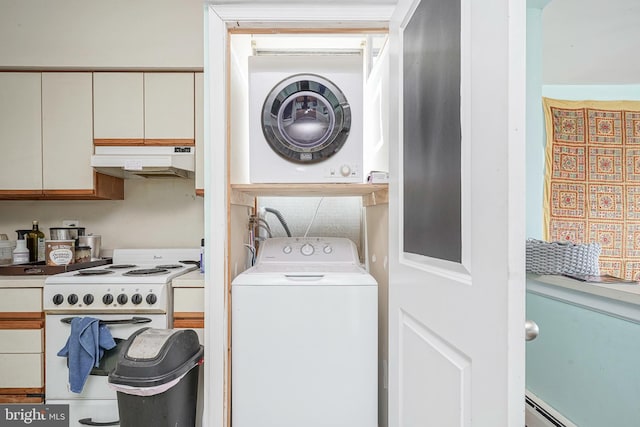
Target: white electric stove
<point x="132" y="293"/>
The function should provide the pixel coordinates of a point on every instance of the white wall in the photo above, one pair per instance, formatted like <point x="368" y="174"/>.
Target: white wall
<point x="591" y="42"/>
<point x="150" y="34"/>
<point x="156" y="213"/>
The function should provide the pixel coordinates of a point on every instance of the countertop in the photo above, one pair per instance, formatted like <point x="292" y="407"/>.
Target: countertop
<point x="193" y="279"/>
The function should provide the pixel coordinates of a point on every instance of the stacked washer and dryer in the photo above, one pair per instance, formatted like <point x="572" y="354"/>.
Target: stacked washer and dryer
<point x="304" y="317"/>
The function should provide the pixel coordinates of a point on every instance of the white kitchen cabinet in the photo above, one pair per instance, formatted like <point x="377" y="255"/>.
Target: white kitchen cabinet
<point x="169" y="106"/>
<point x="20" y="132"/>
<point x="136" y="108"/>
<point x="46" y="138"/>
<point x="199" y="122"/>
<point x="67" y="131"/>
<point x="118" y="106"/>
<point x="21" y="345"/>
<point x="188" y="302"/>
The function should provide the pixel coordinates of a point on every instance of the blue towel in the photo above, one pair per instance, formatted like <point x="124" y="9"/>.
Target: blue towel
<point x="84" y="349"/>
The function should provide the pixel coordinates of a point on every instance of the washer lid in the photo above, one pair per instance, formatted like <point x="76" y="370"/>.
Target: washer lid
<point x="306" y="118"/>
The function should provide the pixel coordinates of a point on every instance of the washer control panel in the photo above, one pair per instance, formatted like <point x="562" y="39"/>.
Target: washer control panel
<point x="308" y="249"/>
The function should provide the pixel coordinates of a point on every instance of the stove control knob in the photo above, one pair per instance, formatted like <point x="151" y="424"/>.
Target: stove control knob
<point x="327" y="249"/>
<point x="88" y="299"/>
<point x="152" y="299"/>
<point x="58" y="299"/>
<point x="136" y="299"/>
<point x="287" y="249"/>
<point x="107" y="299"/>
<point x="307" y="249"/>
<point x="122" y="299"/>
<point x="72" y="299"/>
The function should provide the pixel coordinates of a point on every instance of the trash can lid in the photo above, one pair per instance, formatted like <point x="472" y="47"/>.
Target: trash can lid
<point x="147" y="344"/>
<point x="151" y="357"/>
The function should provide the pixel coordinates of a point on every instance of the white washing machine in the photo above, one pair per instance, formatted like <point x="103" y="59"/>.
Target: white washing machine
<point x="305" y="119"/>
<point x="304" y="337"/>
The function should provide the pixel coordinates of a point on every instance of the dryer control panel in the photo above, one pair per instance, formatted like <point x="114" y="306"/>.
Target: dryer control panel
<point x="308" y="249"/>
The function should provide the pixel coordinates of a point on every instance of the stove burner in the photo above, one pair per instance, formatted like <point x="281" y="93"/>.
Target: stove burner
<point x="121" y="266"/>
<point x="146" y="272"/>
<point x="92" y="272"/>
<point x="170" y="266"/>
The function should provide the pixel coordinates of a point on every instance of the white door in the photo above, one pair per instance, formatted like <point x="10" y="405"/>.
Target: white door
<point x="456" y="291"/>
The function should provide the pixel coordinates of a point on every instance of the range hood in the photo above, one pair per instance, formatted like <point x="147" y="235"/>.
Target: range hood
<point x="145" y="161"/>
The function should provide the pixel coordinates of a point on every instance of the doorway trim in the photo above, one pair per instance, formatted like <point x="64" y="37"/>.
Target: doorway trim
<point x="219" y="22"/>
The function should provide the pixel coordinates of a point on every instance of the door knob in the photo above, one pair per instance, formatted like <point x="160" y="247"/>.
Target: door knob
<point x="531" y="330"/>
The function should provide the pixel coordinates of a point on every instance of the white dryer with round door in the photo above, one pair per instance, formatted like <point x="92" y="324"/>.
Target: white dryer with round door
<point x="304" y="328"/>
<point x="305" y="119"/>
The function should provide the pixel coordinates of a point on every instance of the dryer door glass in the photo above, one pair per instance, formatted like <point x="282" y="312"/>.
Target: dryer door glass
<point x="306" y="118"/>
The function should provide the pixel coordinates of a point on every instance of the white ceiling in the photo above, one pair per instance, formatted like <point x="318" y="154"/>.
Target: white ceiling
<point x="591" y="42"/>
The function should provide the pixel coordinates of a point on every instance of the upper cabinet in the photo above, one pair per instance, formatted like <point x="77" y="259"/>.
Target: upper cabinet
<point x="67" y="130"/>
<point x="20" y="133"/>
<point x="135" y="108"/>
<point x="118" y="106"/>
<point x="169" y="106"/>
<point x="46" y="137"/>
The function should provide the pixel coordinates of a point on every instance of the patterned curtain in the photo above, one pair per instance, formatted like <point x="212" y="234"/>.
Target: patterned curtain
<point x="592" y="179"/>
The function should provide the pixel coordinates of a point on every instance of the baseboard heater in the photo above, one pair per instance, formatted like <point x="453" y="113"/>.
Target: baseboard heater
<point x="539" y="414"/>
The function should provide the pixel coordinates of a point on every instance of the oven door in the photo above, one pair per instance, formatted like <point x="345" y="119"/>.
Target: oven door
<point x="58" y="328"/>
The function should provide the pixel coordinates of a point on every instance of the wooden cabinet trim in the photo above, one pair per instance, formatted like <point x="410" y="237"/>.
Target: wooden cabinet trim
<point x="189" y="324"/>
<point x="170" y="142"/>
<point x="21" y="194"/>
<point x="106" y="187"/>
<point x="22" y="320"/>
<point x="191" y="320"/>
<point x="139" y="142"/>
<point x="118" y="142"/>
<point x="21" y="315"/>
<point x="21" y="395"/>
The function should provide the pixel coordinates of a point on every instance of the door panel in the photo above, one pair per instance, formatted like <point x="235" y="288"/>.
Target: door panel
<point x="425" y="357"/>
<point x="456" y="214"/>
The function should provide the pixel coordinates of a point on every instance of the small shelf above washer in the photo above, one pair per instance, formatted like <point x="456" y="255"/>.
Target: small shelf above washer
<point x="372" y="194"/>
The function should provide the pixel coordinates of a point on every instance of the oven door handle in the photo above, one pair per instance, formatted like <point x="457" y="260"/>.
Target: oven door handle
<point x="133" y="321"/>
<point x="90" y="422"/>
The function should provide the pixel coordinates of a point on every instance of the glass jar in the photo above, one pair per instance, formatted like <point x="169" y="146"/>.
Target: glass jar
<point x="83" y="253"/>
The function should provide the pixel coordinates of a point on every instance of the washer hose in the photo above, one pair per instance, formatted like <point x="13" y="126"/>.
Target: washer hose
<point x="280" y="218"/>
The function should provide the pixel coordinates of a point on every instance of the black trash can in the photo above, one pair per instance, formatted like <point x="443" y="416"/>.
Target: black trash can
<point x="156" y="378"/>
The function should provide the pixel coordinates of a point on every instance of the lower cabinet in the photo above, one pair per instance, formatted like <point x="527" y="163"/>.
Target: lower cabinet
<point x="21" y="345"/>
<point x="188" y="309"/>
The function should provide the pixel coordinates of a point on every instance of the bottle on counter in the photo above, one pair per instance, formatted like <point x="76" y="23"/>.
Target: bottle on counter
<point x="21" y="252"/>
<point x="35" y="243"/>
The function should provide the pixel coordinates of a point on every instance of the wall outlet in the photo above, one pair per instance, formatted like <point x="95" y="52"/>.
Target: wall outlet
<point x="70" y="223"/>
